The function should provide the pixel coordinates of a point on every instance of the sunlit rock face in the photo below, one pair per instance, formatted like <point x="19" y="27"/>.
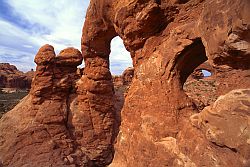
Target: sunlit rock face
<point x="67" y="121"/>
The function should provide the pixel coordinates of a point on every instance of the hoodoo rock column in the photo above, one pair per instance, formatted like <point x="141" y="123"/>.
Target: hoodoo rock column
<point x="95" y="119"/>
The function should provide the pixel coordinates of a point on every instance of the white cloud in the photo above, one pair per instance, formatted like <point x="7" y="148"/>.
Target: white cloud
<point x="57" y="22"/>
<point x="62" y="18"/>
<point x="27" y="46"/>
<point x="120" y="58"/>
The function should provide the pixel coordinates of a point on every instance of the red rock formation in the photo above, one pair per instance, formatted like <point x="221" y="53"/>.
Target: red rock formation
<point x="128" y="75"/>
<point x="205" y="90"/>
<point x="55" y="75"/>
<point x="37" y="131"/>
<point x="64" y="123"/>
<point x="117" y="80"/>
<point x="198" y="74"/>
<point x="167" y="41"/>
<point x="11" y="77"/>
<point x="225" y="123"/>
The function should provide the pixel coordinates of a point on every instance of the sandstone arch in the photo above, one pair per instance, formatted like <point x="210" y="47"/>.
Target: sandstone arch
<point x="156" y="112"/>
<point x="189" y="59"/>
<point x="76" y="126"/>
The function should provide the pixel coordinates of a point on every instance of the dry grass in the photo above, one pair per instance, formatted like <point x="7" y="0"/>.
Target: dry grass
<point x="9" y="100"/>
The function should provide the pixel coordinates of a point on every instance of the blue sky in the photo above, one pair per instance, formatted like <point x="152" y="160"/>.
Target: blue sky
<point x="26" y="25"/>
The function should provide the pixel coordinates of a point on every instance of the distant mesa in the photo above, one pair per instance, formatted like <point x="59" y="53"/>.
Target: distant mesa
<point x="12" y="78"/>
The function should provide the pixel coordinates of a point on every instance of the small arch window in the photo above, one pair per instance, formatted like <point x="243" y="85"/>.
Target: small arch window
<point x="206" y="73"/>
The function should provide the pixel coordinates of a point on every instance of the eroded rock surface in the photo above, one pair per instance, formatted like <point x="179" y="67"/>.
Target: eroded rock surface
<point x="36" y="132"/>
<point x="168" y="40"/>
<point x="63" y="122"/>
<point x="226" y="122"/>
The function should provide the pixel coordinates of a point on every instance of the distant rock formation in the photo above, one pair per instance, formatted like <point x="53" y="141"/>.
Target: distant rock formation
<point x="198" y="73"/>
<point x="128" y="75"/>
<point x="125" y="78"/>
<point x="11" y="77"/>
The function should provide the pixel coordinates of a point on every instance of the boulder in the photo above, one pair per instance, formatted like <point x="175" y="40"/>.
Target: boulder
<point x="226" y="122"/>
<point x="65" y="121"/>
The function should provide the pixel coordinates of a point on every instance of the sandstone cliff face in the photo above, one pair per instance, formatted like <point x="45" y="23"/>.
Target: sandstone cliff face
<point x="11" y="77"/>
<point x="67" y="123"/>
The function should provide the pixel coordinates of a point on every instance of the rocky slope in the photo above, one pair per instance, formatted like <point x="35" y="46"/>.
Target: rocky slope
<point x="65" y="122"/>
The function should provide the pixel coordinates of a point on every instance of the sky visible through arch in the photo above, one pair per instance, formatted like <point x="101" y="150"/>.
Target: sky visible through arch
<point x="26" y="25"/>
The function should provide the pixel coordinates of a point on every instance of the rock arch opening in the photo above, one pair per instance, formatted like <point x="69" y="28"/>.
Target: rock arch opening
<point x="206" y="73"/>
<point x="200" y="73"/>
<point x="119" y="58"/>
<point x="193" y="77"/>
<point x="121" y="68"/>
<point x="189" y="59"/>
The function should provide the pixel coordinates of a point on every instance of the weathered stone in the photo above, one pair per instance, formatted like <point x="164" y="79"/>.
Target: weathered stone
<point x="167" y="40"/>
<point x="45" y="55"/>
<point x="125" y="78"/>
<point x="73" y="123"/>
<point x="69" y="57"/>
<point x="128" y="75"/>
<point x="36" y="132"/>
<point x="226" y="122"/>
